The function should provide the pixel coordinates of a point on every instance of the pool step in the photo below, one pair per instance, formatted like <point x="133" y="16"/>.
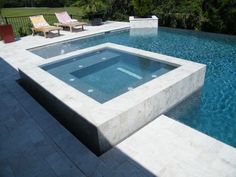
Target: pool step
<point x="130" y="73"/>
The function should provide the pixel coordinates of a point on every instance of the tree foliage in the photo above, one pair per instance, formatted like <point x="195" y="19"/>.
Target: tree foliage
<point x="2" y="2"/>
<point x="94" y="6"/>
<point x="220" y="16"/>
<point x="35" y="3"/>
<point x="143" y="8"/>
<point x="207" y="15"/>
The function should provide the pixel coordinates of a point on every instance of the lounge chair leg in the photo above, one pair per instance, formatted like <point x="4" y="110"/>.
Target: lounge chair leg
<point x="71" y="30"/>
<point x="32" y="32"/>
<point x="82" y="27"/>
<point x="45" y="34"/>
<point x="58" y="32"/>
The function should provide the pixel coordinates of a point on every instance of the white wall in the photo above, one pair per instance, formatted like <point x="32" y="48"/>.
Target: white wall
<point x="143" y="22"/>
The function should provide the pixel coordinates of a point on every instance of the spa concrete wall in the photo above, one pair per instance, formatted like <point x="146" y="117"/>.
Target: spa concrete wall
<point x="76" y="124"/>
<point x="117" y="129"/>
<point x="102" y="138"/>
<point x="143" y="22"/>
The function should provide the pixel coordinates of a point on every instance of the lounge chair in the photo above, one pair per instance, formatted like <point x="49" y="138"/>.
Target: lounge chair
<point x="41" y="25"/>
<point x="64" y="20"/>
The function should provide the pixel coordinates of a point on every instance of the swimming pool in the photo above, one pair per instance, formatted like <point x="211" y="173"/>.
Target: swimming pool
<point x="107" y="73"/>
<point x="215" y="112"/>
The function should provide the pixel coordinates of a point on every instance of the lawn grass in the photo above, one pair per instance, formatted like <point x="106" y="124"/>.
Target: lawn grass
<point x="27" y="11"/>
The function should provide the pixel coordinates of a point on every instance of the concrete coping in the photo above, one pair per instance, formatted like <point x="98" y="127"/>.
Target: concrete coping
<point x="153" y="17"/>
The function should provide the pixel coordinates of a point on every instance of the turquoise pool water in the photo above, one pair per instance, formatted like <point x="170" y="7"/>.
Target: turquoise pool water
<point x="106" y="74"/>
<point x="213" y="110"/>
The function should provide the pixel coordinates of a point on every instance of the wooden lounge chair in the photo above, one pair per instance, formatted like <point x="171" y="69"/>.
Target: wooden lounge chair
<point x="64" y="20"/>
<point x="41" y="25"/>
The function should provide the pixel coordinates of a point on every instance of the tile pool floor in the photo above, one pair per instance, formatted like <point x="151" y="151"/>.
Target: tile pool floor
<point x="49" y="142"/>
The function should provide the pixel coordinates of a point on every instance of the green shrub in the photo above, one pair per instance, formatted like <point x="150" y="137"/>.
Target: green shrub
<point x="180" y="20"/>
<point x="142" y="8"/>
<point x="120" y="16"/>
<point x="94" y="8"/>
<point x="24" y="31"/>
<point x="2" y="2"/>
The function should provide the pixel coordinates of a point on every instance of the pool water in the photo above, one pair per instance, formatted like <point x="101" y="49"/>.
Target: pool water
<point x="106" y="74"/>
<point x="214" y="112"/>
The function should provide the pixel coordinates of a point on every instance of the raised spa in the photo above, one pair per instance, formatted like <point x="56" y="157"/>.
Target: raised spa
<point x="105" y="93"/>
<point x="107" y="73"/>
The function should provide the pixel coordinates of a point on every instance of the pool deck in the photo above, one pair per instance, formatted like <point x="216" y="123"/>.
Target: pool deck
<point x="167" y="148"/>
<point x="33" y="143"/>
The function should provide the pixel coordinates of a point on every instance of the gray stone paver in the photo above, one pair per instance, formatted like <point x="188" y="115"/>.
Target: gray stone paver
<point x="26" y="147"/>
<point x="83" y="158"/>
<point x="6" y="171"/>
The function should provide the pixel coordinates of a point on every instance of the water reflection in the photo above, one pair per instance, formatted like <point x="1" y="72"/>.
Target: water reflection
<point x="187" y="109"/>
<point x="149" y="32"/>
